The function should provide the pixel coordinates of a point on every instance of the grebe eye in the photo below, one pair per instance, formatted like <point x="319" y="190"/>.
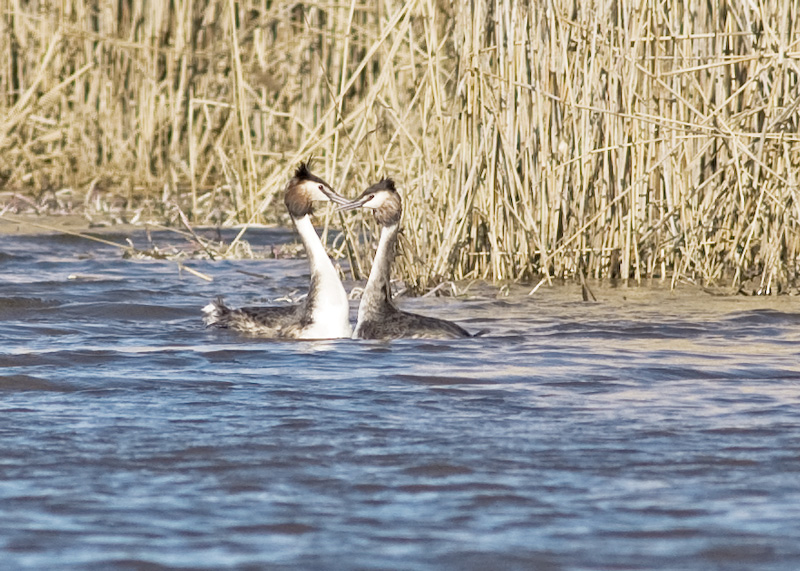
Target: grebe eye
<point x="371" y="196"/>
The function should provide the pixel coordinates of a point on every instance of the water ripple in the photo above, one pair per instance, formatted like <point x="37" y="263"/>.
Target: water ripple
<point x="650" y="430"/>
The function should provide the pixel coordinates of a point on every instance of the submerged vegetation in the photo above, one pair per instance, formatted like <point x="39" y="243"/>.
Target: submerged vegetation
<point x="587" y="139"/>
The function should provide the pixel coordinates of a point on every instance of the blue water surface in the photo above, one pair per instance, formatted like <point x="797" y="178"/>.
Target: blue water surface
<point x="653" y="429"/>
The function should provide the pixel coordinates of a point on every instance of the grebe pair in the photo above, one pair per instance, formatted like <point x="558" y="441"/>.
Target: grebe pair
<point x="324" y="313"/>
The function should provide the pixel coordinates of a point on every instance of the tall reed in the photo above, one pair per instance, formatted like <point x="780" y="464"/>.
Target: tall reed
<point x="616" y="139"/>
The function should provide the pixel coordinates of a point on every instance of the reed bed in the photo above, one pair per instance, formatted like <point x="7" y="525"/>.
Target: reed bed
<point x="531" y="140"/>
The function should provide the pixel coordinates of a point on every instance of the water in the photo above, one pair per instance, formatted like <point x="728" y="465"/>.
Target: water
<point x="650" y="430"/>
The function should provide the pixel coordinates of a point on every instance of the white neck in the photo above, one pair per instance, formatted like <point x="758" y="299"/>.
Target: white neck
<point x="327" y="300"/>
<point x="377" y="293"/>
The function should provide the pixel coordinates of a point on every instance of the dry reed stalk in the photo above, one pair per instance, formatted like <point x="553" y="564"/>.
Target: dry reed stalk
<point x="531" y="140"/>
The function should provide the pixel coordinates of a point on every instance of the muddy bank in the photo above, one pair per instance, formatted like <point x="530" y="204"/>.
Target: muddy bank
<point x="30" y="224"/>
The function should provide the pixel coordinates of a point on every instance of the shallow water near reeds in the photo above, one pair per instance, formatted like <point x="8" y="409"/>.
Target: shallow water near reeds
<point x="648" y="430"/>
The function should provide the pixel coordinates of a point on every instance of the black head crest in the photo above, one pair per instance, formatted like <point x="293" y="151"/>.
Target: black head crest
<point x="301" y="192"/>
<point x="383" y="184"/>
<point x="302" y="172"/>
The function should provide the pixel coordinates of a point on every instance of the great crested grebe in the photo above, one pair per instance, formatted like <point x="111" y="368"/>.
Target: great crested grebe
<point x="324" y="314"/>
<point x="378" y="316"/>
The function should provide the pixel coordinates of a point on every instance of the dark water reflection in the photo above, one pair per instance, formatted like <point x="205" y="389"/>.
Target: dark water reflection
<point x="651" y="430"/>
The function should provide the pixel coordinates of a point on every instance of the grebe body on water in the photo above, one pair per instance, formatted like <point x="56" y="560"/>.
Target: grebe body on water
<point x="378" y="316"/>
<point x="324" y="314"/>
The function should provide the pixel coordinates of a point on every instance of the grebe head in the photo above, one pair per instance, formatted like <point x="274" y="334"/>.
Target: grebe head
<point x="383" y="198"/>
<point x="304" y="188"/>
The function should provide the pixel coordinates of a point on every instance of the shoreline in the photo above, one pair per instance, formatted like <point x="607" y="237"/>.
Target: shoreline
<point x="28" y="224"/>
<point x="33" y="224"/>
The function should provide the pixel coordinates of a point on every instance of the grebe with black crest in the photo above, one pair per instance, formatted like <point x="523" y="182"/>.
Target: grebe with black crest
<point x="378" y="316"/>
<point x="324" y="314"/>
